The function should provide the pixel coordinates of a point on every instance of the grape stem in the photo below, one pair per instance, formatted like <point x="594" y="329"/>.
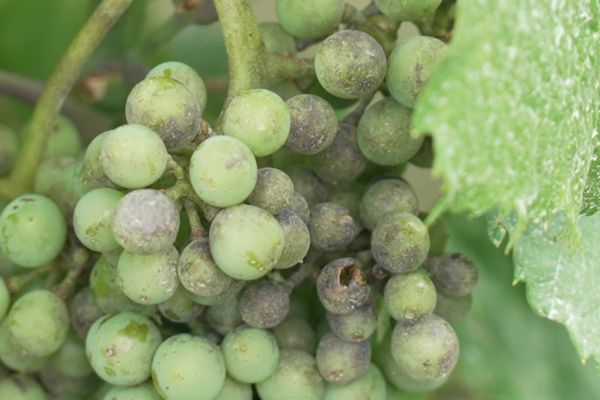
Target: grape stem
<point x="77" y="262"/>
<point x="17" y="282"/>
<point x="197" y="230"/>
<point x="305" y="271"/>
<point x="55" y="94"/>
<point x="354" y="117"/>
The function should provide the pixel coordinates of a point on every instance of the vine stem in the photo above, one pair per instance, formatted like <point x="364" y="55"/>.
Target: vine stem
<point x="56" y="91"/>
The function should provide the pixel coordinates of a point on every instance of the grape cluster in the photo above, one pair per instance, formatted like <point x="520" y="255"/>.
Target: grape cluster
<point x="280" y="255"/>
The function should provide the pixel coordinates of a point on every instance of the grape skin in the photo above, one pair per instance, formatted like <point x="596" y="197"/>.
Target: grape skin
<point x="184" y="74"/>
<point x="145" y="391"/>
<point x="415" y="10"/>
<point x="21" y="387"/>
<point x="386" y="196"/>
<point x="92" y="219"/>
<point x="370" y="386"/>
<point x="300" y="19"/>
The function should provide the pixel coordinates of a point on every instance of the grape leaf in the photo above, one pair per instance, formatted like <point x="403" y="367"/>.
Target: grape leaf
<point x="514" y="109"/>
<point x="562" y="283"/>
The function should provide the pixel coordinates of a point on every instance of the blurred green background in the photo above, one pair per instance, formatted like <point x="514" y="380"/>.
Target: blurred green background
<point x="507" y="351"/>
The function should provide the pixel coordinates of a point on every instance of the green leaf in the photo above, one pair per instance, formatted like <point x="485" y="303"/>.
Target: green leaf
<point x="562" y="283"/>
<point x="514" y="109"/>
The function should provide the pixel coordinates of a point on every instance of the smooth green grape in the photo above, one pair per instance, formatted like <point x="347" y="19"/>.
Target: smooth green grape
<point x="295" y="333"/>
<point x="92" y="175"/>
<point x="21" y="387"/>
<point x="9" y="148"/>
<point x="57" y="179"/>
<point x="148" y="278"/>
<point x="260" y="119"/>
<point x="331" y="227"/>
<point x="136" y="225"/>
<point x="342" y="161"/>
<point x="133" y="156"/>
<point x="63" y="140"/>
<point x="92" y="219"/>
<point x="427" y="350"/>
<point x="276" y="39"/>
<point x="226" y="295"/>
<point x="400" y="242"/>
<point x="386" y="196"/>
<point x="309" y="19"/>
<point x="340" y="361"/>
<point x="4" y="299"/>
<point x="313" y="124"/>
<point x="350" y="64"/>
<point x="355" y="326"/>
<point x="408" y="10"/>
<point x="179" y="307"/>
<point x="120" y="348"/>
<point x="186" y="75"/>
<point x="234" y="390"/>
<point x="145" y="391"/>
<point x="384" y="133"/>
<point x="14" y="357"/>
<point x="223" y="171"/>
<point x="454" y="274"/>
<point x="308" y="185"/>
<point x="167" y="107"/>
<point x="32" y="230"/>
<point x="342" y="286"/>
<point x="409" y="297"/>
<point x="38" y="322"/>
<point x="224" y="317"/>
<point x="296" y="378"/>
<point x="264" y="304"/>
<point x="245" y="241"/>
<point x="71" y="359"/>
<point x="251" y="354"/>
<point x="370" y="386"/>
<point x="296" y="239"/>
<point x="187" y="367"/>
<point x="410" y="65"/>
<point x="83" y="311"/>
<point x="273" y="191"/>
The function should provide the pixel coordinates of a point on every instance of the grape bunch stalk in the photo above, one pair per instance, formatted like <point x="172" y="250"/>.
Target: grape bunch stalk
<point x="275" y="253"/>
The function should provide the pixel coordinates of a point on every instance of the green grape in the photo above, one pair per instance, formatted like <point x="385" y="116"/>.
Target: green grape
<point x="296" y="378"/>
<point x="120" y="348"/>
<point x="201" y="12"/>
<point x="9" y="149"/>
<point x="453" y="309"/>
<point x="83" y="312"/>
<point x="276" y="39"/>
<point x="32" y="230"/>
<point x="57" y="179"/>
<point x="21" y="387"/>
<point x="197" y="271"/>
<point x="38" y="322"/>
<point x="331" y="227"/>
<point x="14" y="357"/>
<point x="145" y="391"/>
<point x="223" y="171"/>
<point x="245" y="241"/>
<point x="234" y="390"/>
<point x="369" y="386"/>
<point x="226" y="295"/>
<point x="179" y="307"/>
<point x="186" y="367"/>
<point x="224" y="317"/>
<point x="350" y="64"/>
<point x="342" y="286"/>
<point x="264" y="304"/>
<point x="260" y="119"/>
<point x="424" y="157"/>
<point x="167" y="107"/>
<point x="295" y="333"/>
<point x="410" y="65"/>
<point x="296" y="239"/>
<point x="308" y="185"/>
<point x="400" y="242"/>
<point x="92" y="219"/>
<point x="340" y="361"/>
<point x="4" y="299"/>
<point x="384" y="133"/>
<point x="184" y="74"/>
<point x="427" y="350"/>
<point x="146" y="221"/>
<point x="355" y="326"/>
<point x="251" y="354"/>
<point x="71" y="359"/>
<point x="454" y="274"/>
<point x="92" y="175"/>
<point x="63" y="140"/>
<point x="133" y="156"/>
<point x="273" y="191"/>
<point x="309" y="19"/>
<point x="387" y="196"/>
<point x="409" y="297"/>
<point x="313" y="124"/>
<point x="300" y="207"/>
<point x="411" y="10"/>
<point x="63" y="386"/>
<point x="107" y="294"/>
<point x="285" y="89"/>
<point x="343" y="160"/>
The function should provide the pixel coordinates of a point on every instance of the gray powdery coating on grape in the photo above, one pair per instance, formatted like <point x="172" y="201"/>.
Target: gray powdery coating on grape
<point x="350" y="64"/>
<point x="308" y="185"/>
<point x="355" y="326"/>
<point x="300" y="206"/>
<point x="342" y="161"/>
<point x="340" y="361"/>
<point x="400" y="242"/>
<point x="198" y="272"/>
<point x="273" y="191"/>
<point x="331" y="227"/>
<point x="453" y="274"/>
<point x="167" y="107"/>
<point x="313" y="124"/>
<point x="296" y="333"/>
<point x="296" y="239"/>
<point x="229" y="293"/>
<point x="224" y="317"/>
<point x="83" y="312"/>
<point x="387" y="196"/>
<point x="342" y="287"/>
<point x="264" y="304"/>
<point x="146" y="221"/>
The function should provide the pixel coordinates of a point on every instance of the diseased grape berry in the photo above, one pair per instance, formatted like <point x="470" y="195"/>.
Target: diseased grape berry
<point x="226" y="295"/>
<point x="313" y="124"/>
<point x="409" y="297"/>
<point x="264" y="304"/>
<point x="342" y="286"/>
<point x="276" y="39"/>
<point x="308" y="185"/>
<point x="300" y="19"/>
<point x="62" y="386"/>
<point x="180" y="308"/>
<point x="295" y="333"/>
<point x="224" y="317"/>
<point x="386" y="196"/>
<point x="296" y="239"/>
<point x="273" y="191"/>
<point x="83" y="312"/>
<point x="355" y="326"/>
<point x="300" y="207"/>
<point x="184" y="74"/>
<point x="412" y="10"/>
<point x="340" y="361"/>
<point x="370" y="386"/>
<point x="454" y="274"/>
<point x="331" y="227"/>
